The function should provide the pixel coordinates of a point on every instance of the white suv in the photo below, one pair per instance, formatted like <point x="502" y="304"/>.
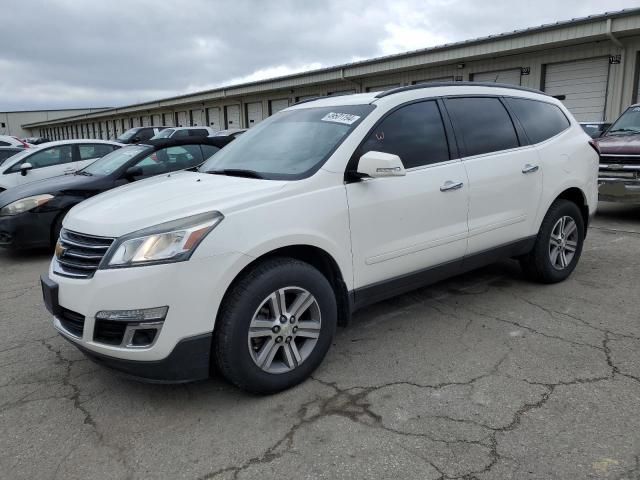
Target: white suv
<point x="249" y="264"/>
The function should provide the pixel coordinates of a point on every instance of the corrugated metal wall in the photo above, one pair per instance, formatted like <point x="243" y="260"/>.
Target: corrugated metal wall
<point x="236" y="111"/>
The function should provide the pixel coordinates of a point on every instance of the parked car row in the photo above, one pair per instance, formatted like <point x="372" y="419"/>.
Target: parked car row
<point x="142" y="134"/>
<point x="246" y="264"/>
<point x="31" y="215"/>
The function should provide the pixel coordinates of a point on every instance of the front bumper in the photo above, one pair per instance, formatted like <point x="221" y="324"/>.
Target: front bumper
<point x="188" y="361"/>
<point x="26" y="230"/>
<point x="619" y="190"/>
<point x="193" y="291"/>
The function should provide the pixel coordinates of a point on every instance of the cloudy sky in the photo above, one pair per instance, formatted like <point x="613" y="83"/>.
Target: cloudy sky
<point x="78" y="53"/>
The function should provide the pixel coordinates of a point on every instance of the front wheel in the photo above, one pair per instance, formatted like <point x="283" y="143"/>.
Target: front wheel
<point x="275" y="326"/>
<point x="558" y="245"/>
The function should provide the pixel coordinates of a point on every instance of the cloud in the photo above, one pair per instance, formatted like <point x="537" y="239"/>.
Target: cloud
<point x="68" y="53"/>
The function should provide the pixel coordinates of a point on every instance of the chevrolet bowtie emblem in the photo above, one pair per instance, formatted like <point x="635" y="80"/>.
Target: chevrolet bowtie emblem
<point x="60" y="250"/>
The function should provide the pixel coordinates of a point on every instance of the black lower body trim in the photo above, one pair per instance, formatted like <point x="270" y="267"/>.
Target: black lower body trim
<point x="189" y="361"/>
<point x="390" y="288"/>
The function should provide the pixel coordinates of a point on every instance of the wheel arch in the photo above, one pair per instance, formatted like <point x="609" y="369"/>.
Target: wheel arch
<point x="577" y="196"/>
<point x="573" y="194"/>
<point x="318" y="258"/>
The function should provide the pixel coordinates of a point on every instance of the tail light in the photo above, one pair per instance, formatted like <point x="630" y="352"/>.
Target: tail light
<point x="595" y="146"/>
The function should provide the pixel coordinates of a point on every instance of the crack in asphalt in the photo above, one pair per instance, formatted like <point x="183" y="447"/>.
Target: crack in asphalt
<point x="88" y="418"/>
<point x="351" y="402"/>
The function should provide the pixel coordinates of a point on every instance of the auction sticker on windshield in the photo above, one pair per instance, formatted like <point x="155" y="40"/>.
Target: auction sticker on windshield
<point x="345" y="118"/>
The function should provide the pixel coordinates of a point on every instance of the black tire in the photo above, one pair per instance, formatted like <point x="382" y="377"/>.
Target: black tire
<point x="230" y="344"/>
<point x="537" y="264"/>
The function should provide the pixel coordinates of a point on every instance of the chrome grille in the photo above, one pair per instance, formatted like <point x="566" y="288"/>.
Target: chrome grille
<point x="623" y="160"/>
<point x="79" y="255"/>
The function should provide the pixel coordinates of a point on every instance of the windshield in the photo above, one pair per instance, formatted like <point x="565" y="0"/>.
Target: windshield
<point x="629" y="122"/>
<point x="166" y="133"/>
<point x="289" y="145"/>
<point x="113" y="161"/>
<point x="128" y="134"/>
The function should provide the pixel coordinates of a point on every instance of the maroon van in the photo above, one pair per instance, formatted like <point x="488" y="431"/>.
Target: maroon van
<point x="619" y="178"/>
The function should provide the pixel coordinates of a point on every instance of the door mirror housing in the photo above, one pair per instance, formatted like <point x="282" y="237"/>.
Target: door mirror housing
<point x="135" y="139"/>
<point x="132" y="172"/>
<point x="379" y="164"/>
<point x="24" y="168"/>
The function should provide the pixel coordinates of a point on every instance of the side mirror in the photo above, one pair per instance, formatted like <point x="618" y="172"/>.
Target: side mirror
<point x="24" y="168"/>
<point x="135" y="140"/>
<point x="132" y="172"/>
<point x="379" y="164"/>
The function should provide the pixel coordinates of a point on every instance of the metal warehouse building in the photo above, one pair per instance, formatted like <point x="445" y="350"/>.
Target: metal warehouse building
<point x="592" y="64"/>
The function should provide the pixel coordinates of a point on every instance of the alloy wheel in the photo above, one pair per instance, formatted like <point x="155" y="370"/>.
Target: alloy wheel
<point x="563" y="242"/>
<point x="284" y="330"/>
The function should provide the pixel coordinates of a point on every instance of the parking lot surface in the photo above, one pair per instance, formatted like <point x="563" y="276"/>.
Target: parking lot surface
<point x="483" y="376"/>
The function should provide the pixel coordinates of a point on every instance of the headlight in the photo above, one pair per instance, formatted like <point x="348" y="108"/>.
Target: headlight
<point x="165" y="243"/>
<point x="24" y="205"/>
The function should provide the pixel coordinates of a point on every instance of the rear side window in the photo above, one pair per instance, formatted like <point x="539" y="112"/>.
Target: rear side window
<point x="94" y="150"/>
<point x="540" y="120"/>
<point x="171" y="159"/>
<point x="483" y="123"/>
<point x="198" y="132"/>
<point x="180" y="133"/>
<point x="414" y="132"/>
<point x="145" y="134"/>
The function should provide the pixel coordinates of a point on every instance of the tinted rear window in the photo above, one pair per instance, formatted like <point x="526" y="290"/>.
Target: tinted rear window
<point x="483" y="123"/>
<point x="540" y="120"/>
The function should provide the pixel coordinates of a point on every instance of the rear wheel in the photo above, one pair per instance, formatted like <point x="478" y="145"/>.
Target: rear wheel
<point x="275" y="326"/>
<point x="558" y="244"/>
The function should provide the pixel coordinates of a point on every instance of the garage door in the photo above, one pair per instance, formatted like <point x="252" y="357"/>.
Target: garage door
<point x="156" y="120"/>
<point x="254" y="113"/>
<point x="382" y="88"/>
<point x="581" y="85"/>
<point x="280" y="104"/>
<point x="439" y="79"/>
<point x="214" y="118"/>
<point x="196" y="118"/>
<point x="233" y="116"/>
<point x="182" y="119"/>
<point x="511" y="77"/>
<point x="146" y="121"/>
<point x="168" y="119"/>
<point x="135" y="122"/>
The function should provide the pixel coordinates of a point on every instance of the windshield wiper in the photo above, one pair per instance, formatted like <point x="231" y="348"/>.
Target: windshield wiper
<point x="82" y="172"/>
<point x="237" y="172"/>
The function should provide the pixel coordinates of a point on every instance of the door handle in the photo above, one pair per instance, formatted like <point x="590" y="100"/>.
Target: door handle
<point x="449" y="185"/>
<point x="528" y="168"/>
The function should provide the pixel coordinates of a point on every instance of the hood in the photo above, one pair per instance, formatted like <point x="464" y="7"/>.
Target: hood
<point x="53" y="186"/>
<point x="164" y="198"/>
<point x="619" y="144"/>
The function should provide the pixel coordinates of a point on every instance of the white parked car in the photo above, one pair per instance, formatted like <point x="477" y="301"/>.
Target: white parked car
<point x="330" y="205"/>
<point x="10" y="141"/>
<point x="177" y="132"/>
<point x="52" y="159"/>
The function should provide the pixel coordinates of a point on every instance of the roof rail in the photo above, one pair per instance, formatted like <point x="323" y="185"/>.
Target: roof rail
<point x="308" y="100"/>
<point x="386" y="93"/>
